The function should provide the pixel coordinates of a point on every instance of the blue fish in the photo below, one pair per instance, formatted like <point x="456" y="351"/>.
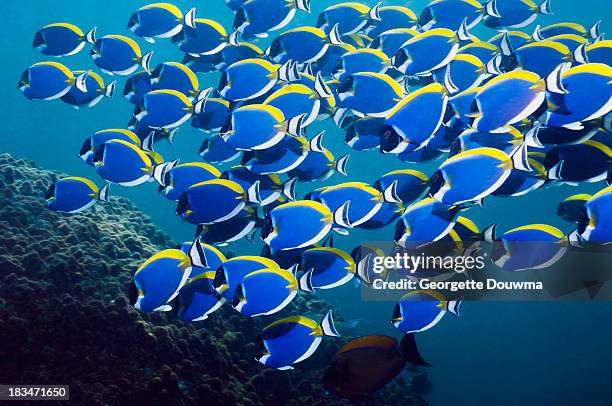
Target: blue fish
<point x="212" y="201"/>
<point x="386" y="214"/>
<point x="167" y="109"/>
<point x="230" y="230"/>
<point x="594" y="225"/>
<point x="587" y="161"/>
<point x="463" y="72"/>
<point x="203" y="37"/>
<point x="326" y="268"/>
<point x="159" y="20"/>
<point x="237" y="52"/>
<point x="542" y="57"/>
<point x="181" y="177"/>
<point x="252" y="78"/>
<point x="355" y="93"/>
<point x="571" y="208"/>
<point x="482" y="50"/>
<point x="364" y="133"/>
<point x="292" y="340"/>
<point x="513" y="13"/>
<point x="160" y="278"/>
<point x="175" y="76"/>
<point x="328" y="62"/>
<point x="137" y="86"/>
<point x="116" y="54"/>
<point x="74" y="194"/>
<point x="94" y="141"/>
<point x="255" y="18"/>
<point x="96" y="90"/>
<point x="265" y="292"/>
<point x="450" y="14"/>
<point x="62" y="39"/>
<point x="533" y="246"/>
<point x="215" y="113"/>
<point x="520" y="183"/>
<point x="261" y="189"/>
<point x="49" y="81"/>
<point x="299" y="100"/>
<point x="232" y="272"/>
<point x="215" y="150"/>
<point x="283" y="157"/>
<point x="409" y="183"/>
<point x="350" y="17"/>
<point x="424" y="222"/>
<point x="362" y="60"/>
<point x="421" y="310"/>
<point x="390" y="18"/>
<point x="541" y="33"/>
<point x="391" y="41"/>
<point x="302" y="45"/>
<point x="210" y="258"/>
<point x="318" y="165"/>
<point x="507" y="142"/>
<point x="198" y="298"/>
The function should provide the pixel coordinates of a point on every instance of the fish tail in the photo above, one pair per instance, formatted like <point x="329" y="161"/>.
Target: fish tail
<point x="90" y="37"/>
<point x="103" y="193"/>
<point x="145" y="62"/>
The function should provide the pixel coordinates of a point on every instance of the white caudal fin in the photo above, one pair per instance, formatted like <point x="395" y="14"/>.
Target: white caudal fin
<point x="519" y="158"/>
<point x="294" y="269"/>
<point x="494" y="65"/>
<point x="288" y="189"/>
<point x="283" y="71"/>
<point x="190" y="18"/>
<point x="544" y="8"/>
<point x="362" y="269"/>
<point x="554" y="81"/>
<point x="103" y="193"/>
<point x="147" y="142"/>
<point x="537" y="35"/>
<point x="390" y="193"/>
<point x="341" y="164"/>
<point x="232" y="39"/>
<point x="171" y="135"/>
<point x="327" y="325"/>
<point x="491" y="9"/>
<point x="453" y="306"/>
<point x="374" y="13"/>
<point x="145" y="62"/>
<point x="488" y="234"/>
<point x="254" y="193"/>
<point x="339" y="115"/>
<point x="505" y="45"/>
<point x="90" y="37"/>
<point x="555" y="171"/>
<point x="303" y="5"/>
<point x="448" y="81"/>
<point x="197" y="255"/>
<point x="580" y="54"/>
<point x="110" y="89"/>
<point x="531" y="137"/>
<point x="316" y="142"/>
<point x="575" y="240"/>
<point x="321" y="87"/>
<point x="463" y="33"/>
<point x="159" y="171"/>
<point x="334" y="36"/>
<point x="80" y="82"/>
<point x="341" y="216"/>
<point x="294" y="125"/>
<point x="305" y="281"/>
<point x="594" y="32"/>
<point x="204" y="94"/>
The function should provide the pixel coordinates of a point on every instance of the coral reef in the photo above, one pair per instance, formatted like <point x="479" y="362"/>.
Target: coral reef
<point x="65" y="316"/>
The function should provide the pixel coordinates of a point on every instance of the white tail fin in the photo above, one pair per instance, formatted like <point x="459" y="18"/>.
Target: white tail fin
<point x="145" y="62"/>
<point x="204" y="94"/>
<point x="294" y="125"/>
<point x="339" y="115"/>
<point x="341" y="216"/>
<point x="453" y="306"/>
<point x="147" y="142"/>
<point x="341" y="164"/>
<point x="305" y="281"/>
<point x="362" y="269"/>
<point x="374" y="12"/>
<point x="294" y="269"/>
<point x="463" y="33"/>
<point x="327" y="325"/>
<point x="505" y="45"/>
<point x="448" y="82"/>
<point x="491" y="9"/>
<point x="519" y="158"/>
<point x="321" y="87"/>
<point x="390" y="193"/>
<point x="555" y="171"/>
<point x="580" y="54"/>
<point x="80" y="82"/>
<point x="110" y="89"/>
<point x="488" y="234"/>
<point x="171" y="135"/>
<point x="289" y="188"/>
<point x="494" y="65"/>
<point x="189" y="18"/>
<point x="334" y="36"/>
<point x="90" y="37"/>
<point x="303" y="5"/>
<point x="544" y="8"/>
<point x="537" y="35"/>
<point x="232" y="39"/>
<point x="103" y="193"/>
<point x="575" y="240"/>
<point x="253" y="192"/>
<point x="594" y="30"/>
<point x="197" y="255"/>
<point x="283" y="71"/>
<point x="316" y="142"/>
<point x="554" y="81"/>
<point x="531" y="136"/>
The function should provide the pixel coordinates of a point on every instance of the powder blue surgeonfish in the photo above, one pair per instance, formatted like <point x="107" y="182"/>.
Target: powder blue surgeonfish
<point x="167" y="109"/>
<point x="160" y="278"/>
<point x="355" y="91"/>
<point x="116" y="54"/>
<point x="255" y="18"/>
<point x="319" y="164"/>
<point x="198" y="298"/>
<point x="349" y="17"/>
<point x="158" y="20"/>
<point x="175" y="76"/>
<point x="450" y="14"/>
<point x="594" y="225"/>
<point x="215" y="113"/>
<point x="513" y="13"/>
<point x="295" y="100"/>
<point x="455" y="181"/>
<point x="410" y="184"/>
<point x="362" y="60"/>
<point x="181" y="177"/>
<point x="302" y="44"/>
<point x="391" y="41"/>
<point x="97" y="139"/>
<point x="137" y="86"/>
<point x="212" y="201"/>
<point x="391" y="17"/>
<point x="326" y="267"/>
<point x="96" y="90"/>
<point x="265" y="292"/>
<point x="421" y="310"/>
<point x="74" y="194"/>
<point x="533" y="246"/>
<point x="216" y="150"/>
<point x="231" y="272"/>
<point x="62" y="39"/>
<point x="49" y="81"/>
<point x="210" y="257"/>
<point x="203" y="37"/>
<point x="571" y="208"/>
<point x="293" y="339"/>
<point x="301" y="224"/>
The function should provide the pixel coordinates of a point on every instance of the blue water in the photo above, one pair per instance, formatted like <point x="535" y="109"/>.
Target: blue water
<point x="495" y="353"/>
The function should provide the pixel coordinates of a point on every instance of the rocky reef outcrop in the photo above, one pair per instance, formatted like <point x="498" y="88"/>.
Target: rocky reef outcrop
<point x="65" y="316"/>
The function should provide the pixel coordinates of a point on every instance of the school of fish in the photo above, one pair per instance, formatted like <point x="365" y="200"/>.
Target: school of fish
<point x="525" y="109"/>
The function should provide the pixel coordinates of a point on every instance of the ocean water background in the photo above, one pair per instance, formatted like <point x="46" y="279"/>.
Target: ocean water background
<point x="495" y="353"/>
